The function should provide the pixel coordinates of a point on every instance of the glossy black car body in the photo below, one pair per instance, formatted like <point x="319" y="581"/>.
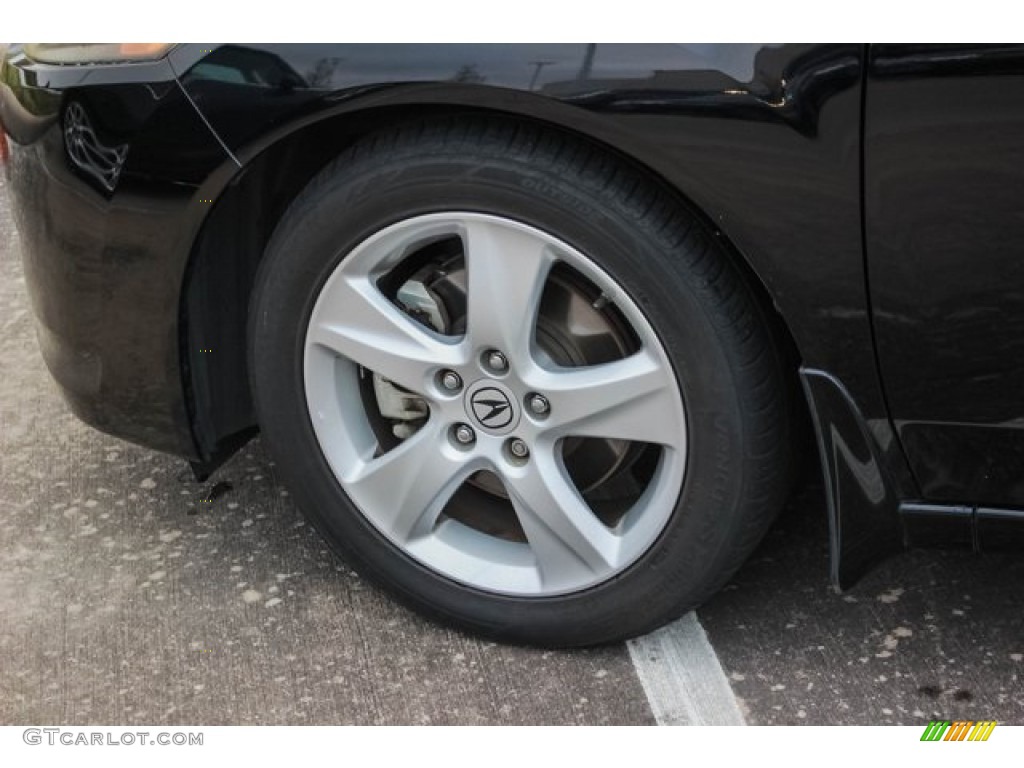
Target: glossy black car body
<point x="871" y="192"/>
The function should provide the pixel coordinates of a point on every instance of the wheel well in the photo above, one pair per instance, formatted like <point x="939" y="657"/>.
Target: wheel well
<point x="227" y="253"/>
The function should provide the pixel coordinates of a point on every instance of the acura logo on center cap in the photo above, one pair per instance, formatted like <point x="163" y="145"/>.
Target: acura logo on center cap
<point x="491" y="407"/>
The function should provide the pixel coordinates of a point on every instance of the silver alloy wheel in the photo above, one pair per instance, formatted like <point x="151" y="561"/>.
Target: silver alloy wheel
<point x="354" y="327"/>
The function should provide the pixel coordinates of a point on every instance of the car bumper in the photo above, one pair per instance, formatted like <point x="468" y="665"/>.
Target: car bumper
<point x="107" y="208"/>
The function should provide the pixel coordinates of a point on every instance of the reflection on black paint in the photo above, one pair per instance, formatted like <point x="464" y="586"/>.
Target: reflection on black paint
<point x="98" y="161"/>
<point x="789" y="90"/>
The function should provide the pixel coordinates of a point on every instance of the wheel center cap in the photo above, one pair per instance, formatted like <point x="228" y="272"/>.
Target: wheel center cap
<point x="492" y="407"/>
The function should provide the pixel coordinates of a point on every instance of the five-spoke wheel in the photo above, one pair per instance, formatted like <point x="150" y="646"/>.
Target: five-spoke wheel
<point x="495" y="402"/>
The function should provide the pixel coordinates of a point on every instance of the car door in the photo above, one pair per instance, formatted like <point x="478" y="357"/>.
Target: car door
<point x="944" y="216"/>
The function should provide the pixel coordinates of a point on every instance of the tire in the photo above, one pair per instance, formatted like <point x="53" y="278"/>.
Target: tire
<point x="652" y="466"/>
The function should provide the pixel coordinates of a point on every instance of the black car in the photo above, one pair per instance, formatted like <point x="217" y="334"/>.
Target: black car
<point x="534" y="332"/>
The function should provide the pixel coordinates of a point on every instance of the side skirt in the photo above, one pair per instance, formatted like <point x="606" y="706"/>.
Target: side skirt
<point x="983" y="529"/>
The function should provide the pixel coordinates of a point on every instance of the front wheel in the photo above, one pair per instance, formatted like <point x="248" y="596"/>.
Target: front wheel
<point x="516" y="384"/>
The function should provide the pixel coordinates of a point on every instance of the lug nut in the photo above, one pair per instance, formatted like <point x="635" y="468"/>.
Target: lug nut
<point x="539" y="404"/>
<point x="451" y="381"/>
<point x="464" y="434"/>
<point x="518" y="448"/>
<point x="497" y="361"/>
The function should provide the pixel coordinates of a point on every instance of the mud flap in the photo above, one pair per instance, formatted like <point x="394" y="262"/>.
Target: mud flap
<point x="863" y="509"/>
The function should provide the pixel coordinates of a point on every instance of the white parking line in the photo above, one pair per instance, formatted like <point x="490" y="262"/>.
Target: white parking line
<point x="682" y="678"/>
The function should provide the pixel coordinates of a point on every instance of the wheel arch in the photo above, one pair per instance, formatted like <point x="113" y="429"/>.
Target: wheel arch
<point x="274" y="169"/>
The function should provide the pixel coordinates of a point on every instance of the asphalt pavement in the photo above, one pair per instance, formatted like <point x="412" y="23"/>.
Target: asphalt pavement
<point x="127" y="598"/>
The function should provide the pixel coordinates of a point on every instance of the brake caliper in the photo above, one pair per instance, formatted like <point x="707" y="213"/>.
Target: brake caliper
<point x="406" y="410"/>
